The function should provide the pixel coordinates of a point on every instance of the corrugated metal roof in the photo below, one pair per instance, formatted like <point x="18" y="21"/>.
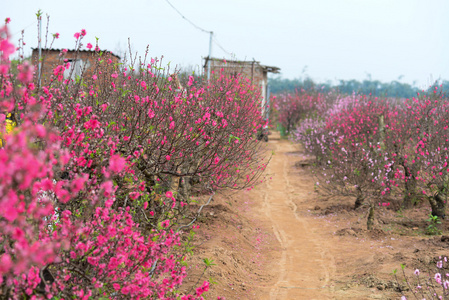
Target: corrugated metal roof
<point x="72" y="50"/>
<point x="270" y="69"/>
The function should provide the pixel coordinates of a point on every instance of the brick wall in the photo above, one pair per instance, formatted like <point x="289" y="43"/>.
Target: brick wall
<point x="252" y="70"/>
<point x="52" y="58"/>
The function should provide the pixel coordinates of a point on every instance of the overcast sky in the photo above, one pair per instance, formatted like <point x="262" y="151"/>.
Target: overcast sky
<point x="323" y="39"/>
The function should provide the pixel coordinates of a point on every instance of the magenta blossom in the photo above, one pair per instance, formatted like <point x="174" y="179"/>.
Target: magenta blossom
<point x="7" y="49"/>
<point x="116" y="163"/>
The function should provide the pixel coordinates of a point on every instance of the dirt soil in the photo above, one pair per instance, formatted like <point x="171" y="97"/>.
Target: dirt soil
<point x="285" y="240"/>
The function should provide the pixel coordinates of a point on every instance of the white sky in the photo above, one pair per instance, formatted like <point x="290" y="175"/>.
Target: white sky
<point x="335" y="39"/>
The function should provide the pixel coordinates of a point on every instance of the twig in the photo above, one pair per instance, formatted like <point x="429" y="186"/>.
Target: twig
<point x="126" y="201"/>
<point x="144" y="214"/>
<point x="197" y="214"/>
<point x="199" y="278"/>
<point x="153" y="267"/>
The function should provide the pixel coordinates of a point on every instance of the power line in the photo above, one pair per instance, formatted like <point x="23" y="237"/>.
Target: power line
<point x="218" y="44"/>
<point x="212" y="38"/>
<point x="199" y="28"/>
<point x="24" y="28"/>
<point x="196" y="26"/>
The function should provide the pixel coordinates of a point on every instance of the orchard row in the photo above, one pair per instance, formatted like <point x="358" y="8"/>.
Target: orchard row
<point x="98" y="175"/>
<point x="379" y="151"/>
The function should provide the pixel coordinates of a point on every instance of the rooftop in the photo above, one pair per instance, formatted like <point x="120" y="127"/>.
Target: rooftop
<point x="73" y="50"/>
<point x="269" y="69"/>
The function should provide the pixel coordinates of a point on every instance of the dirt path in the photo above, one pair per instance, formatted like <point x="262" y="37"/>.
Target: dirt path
<point x="319" y="257"/>
<point x="284" y="240"/>
<point x="306" y="266"/>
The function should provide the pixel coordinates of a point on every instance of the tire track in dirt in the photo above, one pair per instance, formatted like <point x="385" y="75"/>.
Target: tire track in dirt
<point x="305" y="267"/>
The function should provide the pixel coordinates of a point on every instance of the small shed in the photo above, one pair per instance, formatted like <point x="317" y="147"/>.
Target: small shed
<point x="253" y="70"/>
<point x="80" y="60"/>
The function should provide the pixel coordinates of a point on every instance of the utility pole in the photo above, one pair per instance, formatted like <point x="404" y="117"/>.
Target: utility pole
<point x="211" y="33"/>
<point x="210" y="55"/>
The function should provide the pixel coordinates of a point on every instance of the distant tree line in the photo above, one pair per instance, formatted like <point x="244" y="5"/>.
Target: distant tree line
<point x="368" y="86"/>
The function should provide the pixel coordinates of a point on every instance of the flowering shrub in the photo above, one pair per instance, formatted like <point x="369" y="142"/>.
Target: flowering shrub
<point x="424" y="150"/>
<point x="289" y="109"/>
<point x="171" y="140"/>
<point x="371" y="149"/>
<point x="349" y="156"/>
<point x="97" y="177"/>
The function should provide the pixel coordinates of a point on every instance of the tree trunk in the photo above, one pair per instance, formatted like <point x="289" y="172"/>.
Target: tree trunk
<point x="410" y="195"/>
<point x="174" y="183"/>
<point x="370" y="220"/>
<point x="410" y="188"/>
<point x="359" y="200"/>
<point x="184" y="188"/>
<point x="382" y="131"/>
<point x="438" y="205"/>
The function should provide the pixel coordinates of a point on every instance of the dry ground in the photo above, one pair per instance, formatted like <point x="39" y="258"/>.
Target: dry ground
<point x="284" y="240"/>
